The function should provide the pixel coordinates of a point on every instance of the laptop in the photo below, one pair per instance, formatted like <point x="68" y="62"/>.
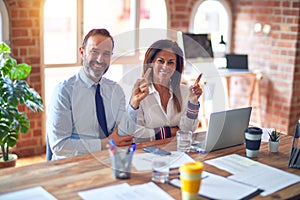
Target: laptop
<point x="225" y="129"/>
<point x="237" y="62"/>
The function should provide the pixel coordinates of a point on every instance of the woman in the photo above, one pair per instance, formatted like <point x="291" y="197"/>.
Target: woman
<point x="169" y="105"/>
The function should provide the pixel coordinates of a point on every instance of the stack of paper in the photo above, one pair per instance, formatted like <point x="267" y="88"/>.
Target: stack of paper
<point x="253" y="173"/>
<point x="34" y="193"/>
<point x="147" y="191"/>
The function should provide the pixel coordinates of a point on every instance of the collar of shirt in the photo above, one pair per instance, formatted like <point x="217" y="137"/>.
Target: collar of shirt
<point x="86" y="80"/>
<point x="151" y="88"/>
<point x="153" y="91"/>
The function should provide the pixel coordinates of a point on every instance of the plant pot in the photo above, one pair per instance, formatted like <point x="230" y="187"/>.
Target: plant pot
<point x="273" y="146"/>
<point x="12" y="160"/>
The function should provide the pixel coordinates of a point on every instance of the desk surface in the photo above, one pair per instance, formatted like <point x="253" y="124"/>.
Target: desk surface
<point x="65" y="178"/>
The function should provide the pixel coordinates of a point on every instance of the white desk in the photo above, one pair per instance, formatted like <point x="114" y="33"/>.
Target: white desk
<point x="216" y="77"/>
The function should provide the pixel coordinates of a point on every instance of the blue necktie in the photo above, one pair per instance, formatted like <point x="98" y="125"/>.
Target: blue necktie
<point x="100" y="111"/>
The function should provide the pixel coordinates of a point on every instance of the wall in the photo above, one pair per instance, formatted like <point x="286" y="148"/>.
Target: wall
<point x="25" y="25"/>
<point x="274" y="54"/>
<point x="277" y="55"/>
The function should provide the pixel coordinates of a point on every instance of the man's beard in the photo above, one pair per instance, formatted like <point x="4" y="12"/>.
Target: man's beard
<point x="90" y="70"/>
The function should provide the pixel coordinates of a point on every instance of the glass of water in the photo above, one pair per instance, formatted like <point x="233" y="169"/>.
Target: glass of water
<point x="198" y="141"/>
<point x="184" y="140"/>
<point x="160" y="170"/>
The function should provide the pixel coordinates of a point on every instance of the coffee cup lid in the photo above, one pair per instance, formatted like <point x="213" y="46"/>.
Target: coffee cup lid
<point x="192" y="167"/>
<point x="254" y="130"/>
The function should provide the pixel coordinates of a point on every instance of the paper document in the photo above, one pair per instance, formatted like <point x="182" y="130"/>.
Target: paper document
<point x="147" y="191"/>
<point x="251" y="172"/>
<point x="261" y="175"/>
<point x="34" y="193"/>
<point x="143" y="161"/>
<point x="218" y="187"/>
<point x="232" y="163"/>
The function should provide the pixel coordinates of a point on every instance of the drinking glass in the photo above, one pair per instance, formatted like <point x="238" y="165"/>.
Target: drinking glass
<point x="184" y="140"/>
<point x="160" y="170"/>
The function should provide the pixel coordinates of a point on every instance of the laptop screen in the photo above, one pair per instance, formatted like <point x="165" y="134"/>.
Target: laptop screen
<point x="226" y="128"/>
<point x="197" y="45"/>
<point x="237" y="61"/>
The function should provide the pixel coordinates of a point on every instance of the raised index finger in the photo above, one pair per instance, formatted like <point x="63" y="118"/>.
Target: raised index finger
<point x="146" y="75"/>
<point x="198" y="79"/>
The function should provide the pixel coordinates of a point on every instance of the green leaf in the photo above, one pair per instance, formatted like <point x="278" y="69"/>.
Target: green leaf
<point x="20" y="71"/>
<point x="4" y="48"/>
<point x="12" y="140"/>
<point x="9" y="64"/>
<point x="4" y="127"/>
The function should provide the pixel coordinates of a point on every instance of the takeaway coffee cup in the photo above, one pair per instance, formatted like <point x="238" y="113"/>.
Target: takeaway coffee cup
<point x="190" y="178"/>
<point x="253" y="140"/>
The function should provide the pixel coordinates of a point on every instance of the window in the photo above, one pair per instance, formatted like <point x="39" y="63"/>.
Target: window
<point x="127" y="21"/>
<point x="60" y="32"/>
<point x="4" y="28"/>
<point x="213" y="17"/>
<point x="134" y="24"/>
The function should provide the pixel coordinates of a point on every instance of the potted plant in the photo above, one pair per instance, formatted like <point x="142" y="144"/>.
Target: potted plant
<point x="274" y="141"/>
<point x="14" y="92"/>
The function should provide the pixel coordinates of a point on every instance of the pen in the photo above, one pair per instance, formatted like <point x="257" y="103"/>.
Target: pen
<point x="112" y="146"/>
<point x="174" y="174"/>
<point x="132" y="148"/>
<point x="112" y="143"/>
<point x="202" y="151"/>
<point x="198" y="150"/>
<point x="178" y="174"/>
<point x="133" y="145"/>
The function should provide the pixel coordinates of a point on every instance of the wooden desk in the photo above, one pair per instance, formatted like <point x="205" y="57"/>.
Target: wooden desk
<point x="65" y="178"/>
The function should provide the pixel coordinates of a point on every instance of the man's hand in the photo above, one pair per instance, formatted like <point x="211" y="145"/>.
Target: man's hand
<point x="119" y="140"/>
<point x="140" y="90"/>
<point x="195" y="91"/>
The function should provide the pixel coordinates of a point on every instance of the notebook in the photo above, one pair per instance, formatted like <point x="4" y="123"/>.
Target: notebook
<point x="237" y="62"/>
<point x="225" y="129"/>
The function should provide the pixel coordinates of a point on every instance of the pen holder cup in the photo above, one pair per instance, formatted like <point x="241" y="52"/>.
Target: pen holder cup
<point x="121" y="160"/>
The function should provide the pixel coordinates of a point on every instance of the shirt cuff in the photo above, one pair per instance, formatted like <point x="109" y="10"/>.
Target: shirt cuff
<point x="133" y="112"/>
<point x="193" y="110"/>
<point x="162" y="133"/>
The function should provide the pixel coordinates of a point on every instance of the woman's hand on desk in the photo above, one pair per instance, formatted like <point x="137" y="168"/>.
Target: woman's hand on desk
<point x="174" y="129"/>
<point x="195" y="91"/>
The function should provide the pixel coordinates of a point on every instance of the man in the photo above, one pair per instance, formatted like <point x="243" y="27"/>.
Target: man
<point x="73" y="127"/>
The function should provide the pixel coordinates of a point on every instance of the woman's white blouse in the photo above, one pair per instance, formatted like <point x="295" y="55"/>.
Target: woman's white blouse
<point x="152" y="115"/>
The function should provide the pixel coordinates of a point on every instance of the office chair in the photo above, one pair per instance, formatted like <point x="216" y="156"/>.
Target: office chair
<point x="48" y="150"/>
